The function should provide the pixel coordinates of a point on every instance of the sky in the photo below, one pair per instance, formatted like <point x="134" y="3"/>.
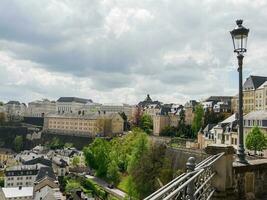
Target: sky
<point x="119" y="51"/>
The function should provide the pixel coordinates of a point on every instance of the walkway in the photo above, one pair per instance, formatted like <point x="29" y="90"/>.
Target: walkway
<point x="116" y="192"/>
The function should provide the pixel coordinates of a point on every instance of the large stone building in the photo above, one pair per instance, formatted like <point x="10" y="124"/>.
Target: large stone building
<point x="254" y="94"/>
<point x="70" y="104"/>
<point x="15" y="110"/>
<point x="88" y="125"/>
<point x="40" y="108"/>
<point x="162" y="121"/>
<point x="189" y="111"/>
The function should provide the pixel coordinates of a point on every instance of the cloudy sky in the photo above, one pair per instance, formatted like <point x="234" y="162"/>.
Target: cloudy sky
<point x="120" y="50"/>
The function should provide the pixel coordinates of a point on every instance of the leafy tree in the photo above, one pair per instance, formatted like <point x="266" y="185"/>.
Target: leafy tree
<point x="97" y="156"/>
<point x="210" y="117"/>
<point x="72" y="185"/>
<point x="168" y="131"/>
<point x="55" y="143"/>
<point x="18" y="143"/>
<point x="76" y="161"/>
<point x="113" y="172"/>
<point x="256" y="140"/>
<point x="2" y="182"/>
<point x="147" y="171"/>
<point x="146" y="123"/>
<point x="198" y="118"/>
<point x="68" y="145"/>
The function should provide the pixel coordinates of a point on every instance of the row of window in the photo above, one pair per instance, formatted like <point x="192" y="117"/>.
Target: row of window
<point x="74" y="128"/>
<point x="73" y="123"/>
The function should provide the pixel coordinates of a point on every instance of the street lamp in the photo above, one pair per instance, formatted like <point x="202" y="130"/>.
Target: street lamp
<point x="239" y="36"/>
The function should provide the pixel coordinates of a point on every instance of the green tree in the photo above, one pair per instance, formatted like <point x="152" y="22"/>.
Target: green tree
<point x="256" y="140"/>
<point x="18" y="143"/>
<point x="146" y="123"/>
<point x="113" y="172"/>
<point x="76" y="161"/>
<point x="72" y="185"/>
<point x="198" y="119"/>
<point x="68" y="145"/>
<point x="55" y="143"/>
<point x="210" y="117"/>
<point x="168" y="131"/>
<point x="2" y="182"/>
<point x="97" y="156"/>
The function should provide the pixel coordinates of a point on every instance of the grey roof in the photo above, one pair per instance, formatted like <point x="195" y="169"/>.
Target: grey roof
<point x="39" y="160"/>
<point x="219" y="98"/>
<point x="256" y="115"/>
<point x="45" y="172"/>
<point x="13" y="102"/>
<point x="208" y="127"/>
<point x="74" y="99"/>
<point x="253" y="82"/>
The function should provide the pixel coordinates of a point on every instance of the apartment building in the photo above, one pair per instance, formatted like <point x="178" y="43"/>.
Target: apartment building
<point x="254" y="94"/>
<point x="88" y="125"/>
<point x="40" y="108"/>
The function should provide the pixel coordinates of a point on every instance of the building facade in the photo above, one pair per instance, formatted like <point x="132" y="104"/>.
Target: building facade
<point x="162" y="121"/>
<point x="15" y="110"/>
<point x="104" y="124"/>
<point x="40" y="108"/>
<point x="70" y="104"/>
<point x="254" y="95"/>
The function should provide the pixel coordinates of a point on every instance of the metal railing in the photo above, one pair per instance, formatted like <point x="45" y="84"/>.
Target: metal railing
<point x="195" y="184"/>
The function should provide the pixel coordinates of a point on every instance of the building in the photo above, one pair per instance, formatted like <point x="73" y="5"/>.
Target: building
<point x="15" y="110"/>
<point x="70" y="104"/>
<point x="205" y="137"/>
<point x="16" y="193"/>
<point x="48" y="189"/>
<point x="162" y="121"/>
<point x="218" y="104"/>
<point x="254" y="94"/>
<point x="26" y="175"/>
<point x="5" y="156"/>
<point x="40" y="108"/>
<point x="226" y="131"/>
<point x="256" y="118"/>
<point x="90" y="125"/>
<point x="189" y="111"/>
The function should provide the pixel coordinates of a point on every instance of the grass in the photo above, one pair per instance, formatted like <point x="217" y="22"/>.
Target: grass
<point x="123" y="183"/>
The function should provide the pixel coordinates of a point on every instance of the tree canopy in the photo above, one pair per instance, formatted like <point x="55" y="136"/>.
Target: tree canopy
<point x="198" y="118"/>
<point x="146" y="123"/>
<point x="256" y="140"/>
<point x="18" y="143"/>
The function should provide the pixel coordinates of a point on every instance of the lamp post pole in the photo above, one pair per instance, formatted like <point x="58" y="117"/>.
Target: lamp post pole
<point x="241" y="150"/>
<point x="239" y="37"/>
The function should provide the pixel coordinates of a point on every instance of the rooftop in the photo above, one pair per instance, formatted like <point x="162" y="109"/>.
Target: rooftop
<point x="15" y="192"/>
<point x="74" y="99"/>
<point x="257" y="115"/>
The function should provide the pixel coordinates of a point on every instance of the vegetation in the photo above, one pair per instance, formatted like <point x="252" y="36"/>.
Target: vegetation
<point x="2" y="182"/>
<point x="76" y="161"/>
<point x="131" y="162"/>
<point x="198" y="119"/>
<point x="2" y="118"/>
<point x="146" y="123"/>
<point x="182" y="130"/>
<point x="72" y="185"/>
<point x="210" y="117"/>
<point x="256" y="140"/>
<point x="55" y="143"/>
<point x="18" y="143"/>
<point x="68" y="145"/>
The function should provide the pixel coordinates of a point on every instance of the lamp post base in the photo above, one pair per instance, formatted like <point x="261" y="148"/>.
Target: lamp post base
<point x="241" y="156"/>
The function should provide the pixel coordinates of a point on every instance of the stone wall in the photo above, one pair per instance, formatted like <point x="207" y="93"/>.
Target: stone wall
<point x="250" y="181"/>
<point x="179" y="156"/>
